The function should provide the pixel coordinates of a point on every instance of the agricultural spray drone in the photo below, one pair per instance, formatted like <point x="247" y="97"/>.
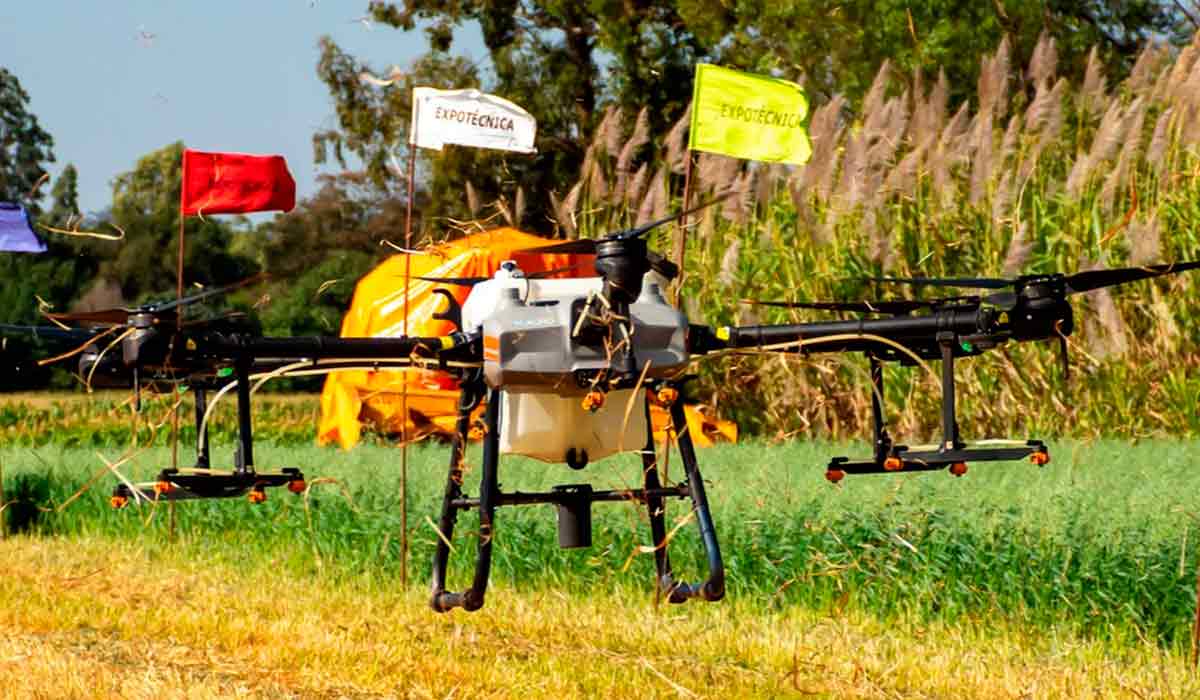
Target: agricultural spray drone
<point x="569" y="368"/>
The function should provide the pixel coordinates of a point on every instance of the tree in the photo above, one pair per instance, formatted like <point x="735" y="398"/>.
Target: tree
<point x="316" y="253"/>
<point x="565" y="61"/>
<point x="837" y="48"/>
<point x="145" y="205"/>
<point x="30" y="282"/>
<point x="562" y="61"/>
<point x="64" y="197"/>
<point x="25" y="147"/>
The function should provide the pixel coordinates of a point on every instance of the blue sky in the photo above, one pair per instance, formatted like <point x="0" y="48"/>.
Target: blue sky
<point x="111" y="81"/>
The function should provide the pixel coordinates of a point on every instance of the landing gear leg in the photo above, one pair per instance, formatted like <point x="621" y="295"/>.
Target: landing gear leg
<point x="656" y="507"/>
<point x="714" y="588"/>
<point x="473" y="597"/>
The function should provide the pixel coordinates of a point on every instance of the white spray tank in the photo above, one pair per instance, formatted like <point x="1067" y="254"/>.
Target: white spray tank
<point x="547" y="426"/>
<point x="485" y="296"/>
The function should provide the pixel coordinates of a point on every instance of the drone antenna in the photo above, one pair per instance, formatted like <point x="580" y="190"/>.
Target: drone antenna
<point x="412" y="164"/>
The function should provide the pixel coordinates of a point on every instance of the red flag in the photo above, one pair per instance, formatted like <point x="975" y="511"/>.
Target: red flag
<point x="235" y="183"/>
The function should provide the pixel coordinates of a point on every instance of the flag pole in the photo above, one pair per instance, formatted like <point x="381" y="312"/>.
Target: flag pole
<point x="412" y="164"/>
<point x="681" y="228"/>
<point x="178" y="327"/>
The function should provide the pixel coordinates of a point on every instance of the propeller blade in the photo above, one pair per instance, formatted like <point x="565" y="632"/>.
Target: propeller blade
<point x="972" y="282"/>
<point x="48" y="332"/>
<point x="1095" y="279"/>
<point x="662" y="266"/>
<point x="647" y="227"/>
<point x="115" y="317"/>
<point x="579" y="246"/>
<point x="587" y="246"/>
<point x="879" y="306"/>
<point x="472" y="281"/>
<point x="166" y="306"/>
<point x="461" y="281"/>
<point x="120" y="316"/>
<point x="543" y="274"/>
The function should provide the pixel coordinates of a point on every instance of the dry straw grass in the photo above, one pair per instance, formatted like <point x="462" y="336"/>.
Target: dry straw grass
<point x="84" y="621"/>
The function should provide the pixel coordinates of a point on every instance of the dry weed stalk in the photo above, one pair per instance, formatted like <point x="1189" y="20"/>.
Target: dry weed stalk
<point x="1145" y="240"/>
<point x="676" y="142"/>
<point x="716" y="173"/>
<point x="1044" y="63"/>
<point x="929" y="112"/>
<point x="1156" y="151"/>
<point x="639" y="138"/>
<point x="824" y="133"/>
<point x="993" y="81"/>
<point x="981" y="162"/>
<point x="1002" y="200"/>
<point x="1093" y="94"/>
<point x="1145" y="69"/>
<point x="1019" y="248"/>
<point x="655" y="203"/>
<point x="729" y="264"/>
<point x="613" y="128"/>
<point x="473" y="203"/>
<point x="519" y="206"/>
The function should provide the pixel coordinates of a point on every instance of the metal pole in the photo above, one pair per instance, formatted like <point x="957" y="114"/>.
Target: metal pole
<point x="681" y="227"/>
<point x="412" y="163"/>
<point x="179" y="269"/>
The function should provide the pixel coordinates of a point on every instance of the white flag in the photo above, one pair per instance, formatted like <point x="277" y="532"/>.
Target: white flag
<point x="470" y="118"/>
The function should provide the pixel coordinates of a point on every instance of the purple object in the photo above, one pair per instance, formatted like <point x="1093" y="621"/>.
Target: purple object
<point x="16" y="235"/>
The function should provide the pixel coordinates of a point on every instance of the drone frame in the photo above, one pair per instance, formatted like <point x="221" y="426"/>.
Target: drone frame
<point x="573" y="502"/>
<point x="952" y="452"/>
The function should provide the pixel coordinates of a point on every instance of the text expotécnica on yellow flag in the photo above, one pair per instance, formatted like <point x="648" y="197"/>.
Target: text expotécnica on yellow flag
<point x="749" y="116"/>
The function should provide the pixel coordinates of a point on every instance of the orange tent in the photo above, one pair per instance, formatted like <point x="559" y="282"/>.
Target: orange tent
<point x="377" y="310"/>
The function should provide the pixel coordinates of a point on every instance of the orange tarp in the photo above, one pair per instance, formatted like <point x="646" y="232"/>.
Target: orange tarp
<point x="377" y="310"/>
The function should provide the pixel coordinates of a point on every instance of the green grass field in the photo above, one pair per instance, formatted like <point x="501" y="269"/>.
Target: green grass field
<point x="1101" y="544"/>
<point x="1014" y="581"/>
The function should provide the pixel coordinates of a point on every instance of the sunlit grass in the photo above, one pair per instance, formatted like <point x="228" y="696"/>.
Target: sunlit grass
<point x="1101" y="542"/>
<point x="87" y="617"/>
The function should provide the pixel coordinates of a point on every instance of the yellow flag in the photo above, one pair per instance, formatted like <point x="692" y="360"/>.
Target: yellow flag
<point x="749" y="116"/>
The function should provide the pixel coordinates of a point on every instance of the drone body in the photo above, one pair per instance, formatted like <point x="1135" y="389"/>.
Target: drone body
<point x="536" y="349"/>
<point x="568" y="370"/>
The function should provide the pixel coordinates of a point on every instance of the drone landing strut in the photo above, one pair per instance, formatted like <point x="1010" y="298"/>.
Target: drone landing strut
<point x="951" y="452"/>
<point x="574" y="506"/>
<point x="202" y="482"/>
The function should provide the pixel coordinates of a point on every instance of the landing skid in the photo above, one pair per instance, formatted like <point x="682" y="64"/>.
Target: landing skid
<point x="202" y="482"/>
<point x="951" y="453"/>
<point x="191" y="484"/>
<point x="903" y="459"/>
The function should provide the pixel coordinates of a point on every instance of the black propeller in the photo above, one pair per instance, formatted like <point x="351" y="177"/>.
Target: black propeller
<point x="120" y="315"/>
<point x="972" y="282"/>
<point x="1073" y="284"/>
<point x="472" y="281"/>
<point x="886" y="306"/>
<point x="587" y="246"/>
<point x="48" y="332"/>
<point x="1095" y="279"/>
